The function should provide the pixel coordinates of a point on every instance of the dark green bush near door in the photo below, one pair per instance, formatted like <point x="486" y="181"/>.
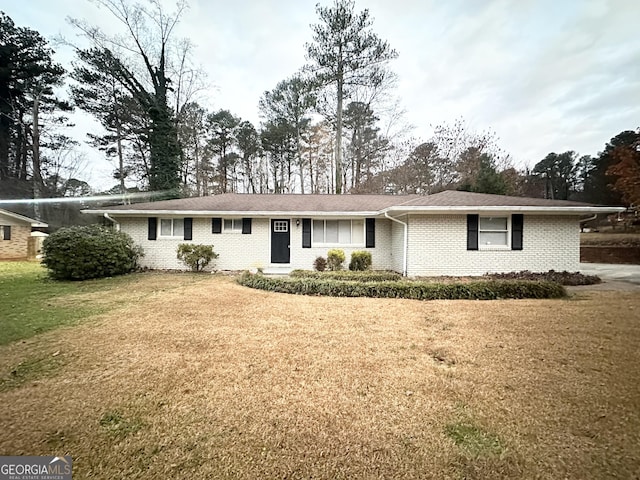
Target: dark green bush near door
<point x="80" y="253"/>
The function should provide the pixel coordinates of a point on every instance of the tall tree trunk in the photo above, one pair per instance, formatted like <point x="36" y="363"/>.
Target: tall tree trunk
<point x="299" y="155"/>
<point x="338" y="154"/>
<point x="38" y="184"/>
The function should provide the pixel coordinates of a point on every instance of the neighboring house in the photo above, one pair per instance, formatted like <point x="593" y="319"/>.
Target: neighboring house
<point x="448" y="233"/>
<point x="17" y="238"/>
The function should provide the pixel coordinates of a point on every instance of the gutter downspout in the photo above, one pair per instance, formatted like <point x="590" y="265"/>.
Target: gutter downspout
<point x="117" y="225"/>
<point x="584" y="220"/>
<point x="581" y="222"/>
<point x="406" y="242"/>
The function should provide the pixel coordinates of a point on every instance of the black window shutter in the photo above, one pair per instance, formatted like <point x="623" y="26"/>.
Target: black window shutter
<point x="517" y="222"/>
<point x="370" y="241"/>
<point x="472" y="232"/>
<point x="7" y="232"/>
<point x="153" y="228"/>
<point x="306" y="233"/>
<point x="246" y="225"/>
<point x="188" y="228"/>
<point x="216" y="225"/>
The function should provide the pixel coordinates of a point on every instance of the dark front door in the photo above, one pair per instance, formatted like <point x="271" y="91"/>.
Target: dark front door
<point x="280" y="241"/>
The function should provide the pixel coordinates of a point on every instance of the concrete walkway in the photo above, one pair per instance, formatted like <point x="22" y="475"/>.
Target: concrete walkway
<point x="613" y="272"/>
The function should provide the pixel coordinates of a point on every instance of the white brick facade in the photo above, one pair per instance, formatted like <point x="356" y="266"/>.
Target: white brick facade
<point x="437" y="245"/>
<point x="246" y="251"/>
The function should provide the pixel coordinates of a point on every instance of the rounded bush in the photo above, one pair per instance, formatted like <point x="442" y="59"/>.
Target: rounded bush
<point x="196" y="257"/>
<point x="80" y="253"/>
<point x="335" y="259"/>
<point x="320" y="264"/>
<point x="360" y="261"/>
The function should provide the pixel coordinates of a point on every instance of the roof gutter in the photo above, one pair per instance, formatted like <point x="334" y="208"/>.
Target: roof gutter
<point x="568" y="210"/>
<point x="406" y="242"/>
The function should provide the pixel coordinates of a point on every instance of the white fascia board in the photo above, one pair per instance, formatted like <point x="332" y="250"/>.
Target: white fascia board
<point x="502" y="209"/>
<point x="238" y="213"/>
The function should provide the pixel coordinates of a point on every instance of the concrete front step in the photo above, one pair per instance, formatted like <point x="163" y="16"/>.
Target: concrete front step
<point x="277" y="270"/>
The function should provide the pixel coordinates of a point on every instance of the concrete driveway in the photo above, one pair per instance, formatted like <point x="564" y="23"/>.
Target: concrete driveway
<point x="613" y="274"/>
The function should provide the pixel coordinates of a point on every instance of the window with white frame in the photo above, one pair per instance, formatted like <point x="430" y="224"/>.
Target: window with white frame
<point x="338" y="232"/>
<point x="493" y="231"/>
<point x="172" y="227"/>
<point x="232" y="225"/>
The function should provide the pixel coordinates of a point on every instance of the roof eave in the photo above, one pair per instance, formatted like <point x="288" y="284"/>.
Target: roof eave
<point x="531" y="209"/>
<point x="232" y="213"/>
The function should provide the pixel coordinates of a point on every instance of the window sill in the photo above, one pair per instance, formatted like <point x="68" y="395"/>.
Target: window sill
<point x="337" y="245"/>
<point x="494" y="248"/>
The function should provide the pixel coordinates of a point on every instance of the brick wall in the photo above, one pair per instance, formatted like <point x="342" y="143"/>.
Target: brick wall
<point x="397" y="245"/>
<point x="438" y="246"/>
<point x="236" y="251"/>
<point x="380" y="255"/>
<point x="239" y="252"/>
<point x="17" y="247"/>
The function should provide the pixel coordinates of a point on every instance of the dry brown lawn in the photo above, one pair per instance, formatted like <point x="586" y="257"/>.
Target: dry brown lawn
<point x="214" y="380"/>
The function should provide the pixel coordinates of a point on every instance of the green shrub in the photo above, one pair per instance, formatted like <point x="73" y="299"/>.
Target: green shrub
<point x="320" y="264"/>
<point x="357" y="276"/>
<point x="360" y="260"/>
<point x="335" y="259"/>
<point x="196" y="257"/>
<point x="563" y="278"/>
<point x="80" y="253"/>
<point x="482" y="290"/>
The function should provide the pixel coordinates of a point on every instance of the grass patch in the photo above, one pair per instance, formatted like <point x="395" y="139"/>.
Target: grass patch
<point x="117" y="425"/>
<point x="610" y="239"/>
<point x="31" y="303"/>
<point x="214" y="380"/>
<point x="415" y="290"/>
<point x="473" y="440"/>
<point x="30" y="369"/>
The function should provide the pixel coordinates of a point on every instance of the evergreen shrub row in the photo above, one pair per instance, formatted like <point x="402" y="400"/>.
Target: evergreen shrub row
<point x="358" y="276"/>
<point x="481" y="290"/>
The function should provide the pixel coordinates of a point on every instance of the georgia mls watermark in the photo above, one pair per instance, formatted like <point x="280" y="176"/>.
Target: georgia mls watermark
<point x="35" y="468"/>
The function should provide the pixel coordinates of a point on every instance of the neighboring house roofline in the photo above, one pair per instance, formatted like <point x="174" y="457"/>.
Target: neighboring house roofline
<point x="34" y="223"/>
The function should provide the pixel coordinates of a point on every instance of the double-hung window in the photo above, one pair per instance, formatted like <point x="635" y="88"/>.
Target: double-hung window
<point x="493" y="232"/>
<point x="172" y="227"/>
<point x="232" y="225"/>
<point x="338" y="232"/>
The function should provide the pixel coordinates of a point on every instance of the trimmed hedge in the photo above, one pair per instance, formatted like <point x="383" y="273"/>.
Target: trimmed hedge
<point x="357" y="276"/>
<point x="483" y="290"/>
<point x="563" y="278"/>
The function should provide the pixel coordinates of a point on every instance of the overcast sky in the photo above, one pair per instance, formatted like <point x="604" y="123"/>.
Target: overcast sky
<point x="544" y="75"/>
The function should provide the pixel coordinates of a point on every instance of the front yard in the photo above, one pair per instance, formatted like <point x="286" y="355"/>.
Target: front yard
<point x="184" y="376"/>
